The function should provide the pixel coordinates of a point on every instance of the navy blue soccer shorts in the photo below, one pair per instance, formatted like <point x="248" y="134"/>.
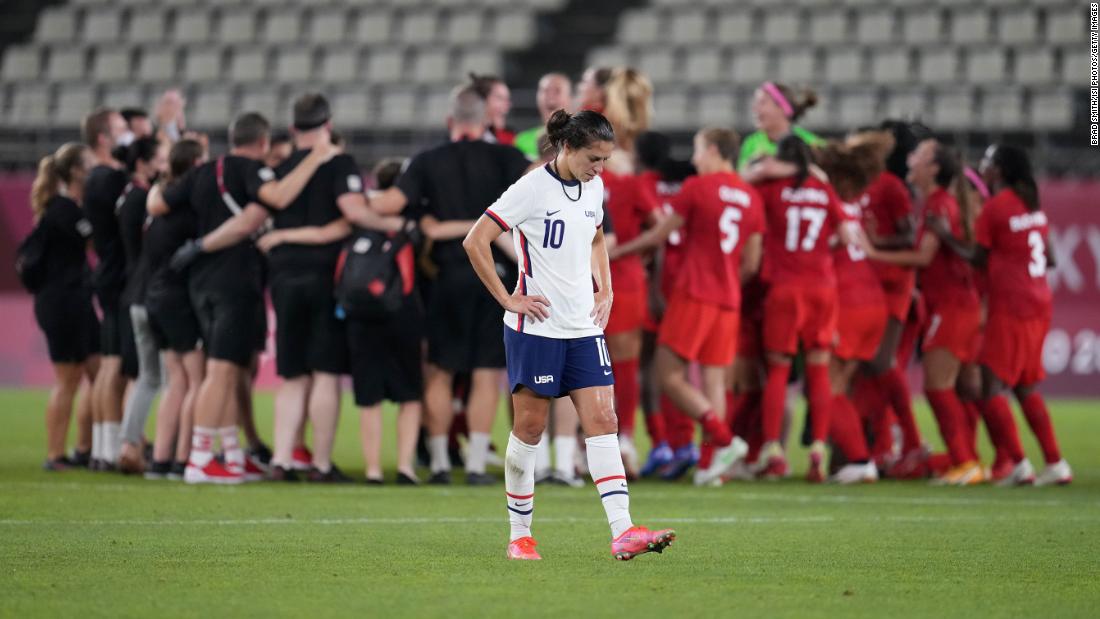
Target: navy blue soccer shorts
<point x="553" y="367"/>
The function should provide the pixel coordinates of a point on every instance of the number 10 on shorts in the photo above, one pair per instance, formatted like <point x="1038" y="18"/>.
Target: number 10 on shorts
<point x="601" y="349"/>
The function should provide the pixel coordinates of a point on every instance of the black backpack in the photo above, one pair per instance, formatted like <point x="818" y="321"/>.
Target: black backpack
<point x="30" y="260"/>
<point x="375" y="274"/>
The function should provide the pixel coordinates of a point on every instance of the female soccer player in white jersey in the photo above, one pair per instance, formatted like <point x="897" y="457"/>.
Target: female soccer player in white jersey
<point x="554" y="321"/>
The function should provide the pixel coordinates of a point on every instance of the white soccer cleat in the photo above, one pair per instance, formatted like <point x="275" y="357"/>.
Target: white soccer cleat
<point x="724" y="459"/>
<point x="1057" y="473"/>
<point x="1023" y="474"/>
<point x="866" y="473"/>
<point x="742" y="471"/>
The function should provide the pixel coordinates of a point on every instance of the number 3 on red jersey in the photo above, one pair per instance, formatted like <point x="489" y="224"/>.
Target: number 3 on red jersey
<point x="1038" y="265"/>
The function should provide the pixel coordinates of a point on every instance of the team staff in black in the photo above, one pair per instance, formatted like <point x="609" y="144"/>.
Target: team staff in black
<point x="454" y="183"/>
<point x="103" y="129"/>
<point x="147" y="158"/>
<point x="311" y="343"/>
<point x="225" y="283"/>
<point x="173" y="322"/>
<point x="63" y="300"/>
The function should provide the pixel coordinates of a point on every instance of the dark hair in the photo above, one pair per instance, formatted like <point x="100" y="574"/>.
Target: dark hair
<point x="483" y="84"/>
<point x="182" y="157"/>
<point x="725" y="140"/>
<point x="141" y="149"/>
<point x="95" y="124"/>
<point x="907" y="136"/>
<point x="578" y="130"/>
<point x="800" y="102"/>
<point x="387" y="171"/>
<point x="311" y="110"/>
<point x="854" y="163"/>
<point x="792" y="149"/>
<point x="130" y="113"/>
<point x="948" y="161"/>
<point x="280" y="138"/>
<point x="652" y="148"/>
<point x="602" y="75"/>
<point x="248" y="128"/>
<point x="1016" y="172"/>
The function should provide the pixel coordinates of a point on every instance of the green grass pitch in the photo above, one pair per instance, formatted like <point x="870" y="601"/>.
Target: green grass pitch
<point x="81" y="545"/>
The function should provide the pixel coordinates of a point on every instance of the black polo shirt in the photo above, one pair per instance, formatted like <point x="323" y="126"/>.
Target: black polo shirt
<point x="131" y="225"/>
<point x="66" y="232"/>
<point x="458" y="181"/>
<point x="237" y="267"/>
<point x="102" y="189"/>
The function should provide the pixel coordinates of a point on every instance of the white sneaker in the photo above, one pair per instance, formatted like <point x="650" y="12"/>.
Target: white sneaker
<point x="865" y="473"/>
<point x="1023" y="474"/>
<point x="1057" y="473"/>
<point x="742" y="471"/>
<point x="630" y="455"/>
<point x="724" y="460"/>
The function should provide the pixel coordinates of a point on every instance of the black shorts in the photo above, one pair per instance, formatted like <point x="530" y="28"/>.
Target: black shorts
<point x="175" y="326"/>
<point x="227" y="322"/>
<point x="68" y="319"/>
<point x="259" y="338"/>
<point x="386" y="357"/>
<point x="127" y="343"/>
<point x="308" y="336"/>
<point x="464" y="323"/>
<point x="110" y="331"/>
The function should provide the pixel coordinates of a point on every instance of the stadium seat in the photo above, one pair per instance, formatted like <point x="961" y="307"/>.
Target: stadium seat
<point x="192" y="27"/>
<point x="670" y="109"/>
<point x="797" y="65"/>
<point x="386" y="65"/>
<point x="829" y="26"/>
<point x="67" y="63"/>
<point x="1051" y="110"/>
<point x="352" y="107"/>
<point x="716" y="108"/>
<point x="639" y="27"/>
<point x="923" y="25"/>
<point x="282" y="27"/>
<point x="659" y="63"/>
<point x="1003" y="108"/>
<point x="74" y="100"/>
<point x="891" y="66"/>
<point x="911" y="102"/>
<point x="237" y="26"/>
<point x="203" y="64"/>
<point x="248" y="65"/>
<point x="294" y="65"/>
<point x="735" y="27"/>
<point x="147" y="25"/>
<point x="156" y="64"/>
<point x="56" y="25"/>
<point x="328" y="25"/>
<point x="270" y="101"/>
<point x="687" y="28"/>
<point x="30" y="105"/>
<point x="856" y="108"/>
<point x="432" y="66"/>
<point x="111" y="64"/>
<point x="783" y="26"/>
<point x="373" y="27"/>
<point x="1067" y="25"/>
<point x="1018" y="25"/>
<point x="21" y="62"/>
<point x="418" y="27"/>
<point x="513" y="30"/>
<point x="119" y="96"/>
<point x="465" y="28"/>
<point x="479" y="60"/>
<point x="102" y="25"/>
<point x="953" y="109"/>
<point x="1075" y="66"/>
<point x="970" y="26"/>
<point x="211" y="108"/>
<point x="1035" y="66"/>
<point x="938" y="65"/>
<point x="399" y="107"/>
<point x="844" y="65"/>
<point x="703" y="65"/>
<point x="750" y="66"/>
<point x="341" y="64"/>
<point x="985" y="65"/>
<point x="875" y="26"/>
<point x="437" y="105"/>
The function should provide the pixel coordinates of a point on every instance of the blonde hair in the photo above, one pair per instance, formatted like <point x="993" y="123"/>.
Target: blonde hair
<point x="629" y="104"/>
<point x="53" y="170"/>
<point x="854" y="164"/>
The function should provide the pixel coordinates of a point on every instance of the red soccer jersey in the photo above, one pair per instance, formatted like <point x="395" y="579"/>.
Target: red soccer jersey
<point x="1016" y="241"/>
<point x="629" y="207"/>
<point x="856" y="281"/>
<point x="885" y="201"/>
<point x="800" y="222"/>
<point x="947" y="280"/>
<point x="662" y="192"/>
<point x="720" y="211"/>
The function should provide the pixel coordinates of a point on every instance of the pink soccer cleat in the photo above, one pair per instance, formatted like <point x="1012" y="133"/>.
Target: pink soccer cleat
<point x="640" y="540"/>
<point x="523" y="549"/>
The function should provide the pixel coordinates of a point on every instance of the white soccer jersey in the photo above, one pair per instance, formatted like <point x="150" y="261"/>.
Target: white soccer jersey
<point x="553" y="239"/>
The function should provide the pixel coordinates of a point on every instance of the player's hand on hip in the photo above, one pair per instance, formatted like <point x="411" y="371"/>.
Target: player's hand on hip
<point x="535" y="307"/>
<point x="601" y="311"/>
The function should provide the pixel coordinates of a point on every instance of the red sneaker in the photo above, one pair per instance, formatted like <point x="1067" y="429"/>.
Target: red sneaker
<point x="252" y="470"/>
<point x="816" y="474"/>
<point x="301" y="459"/>
<point x="213" y="473"/>
<point x="913" y="464"/>
<point x="640" y="540"/>
<point x="1002" y="468"/>
<point x="774" y="468"/>
<point x="524" y="549"/>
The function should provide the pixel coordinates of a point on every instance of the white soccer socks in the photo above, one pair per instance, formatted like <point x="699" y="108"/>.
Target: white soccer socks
<point x="437" y="449"/>
<point x="111" y="432"/>
<point x="565" y="446"/>
<point x="519" y="485"/>
<point x="605" y="464"/>
<point x="202" y="446"/>
<point x="477" y="452"/>
<point x="231" y="447"/>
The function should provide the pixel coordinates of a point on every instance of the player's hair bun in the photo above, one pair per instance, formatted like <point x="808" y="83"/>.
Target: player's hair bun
<point x="578" y="130"/>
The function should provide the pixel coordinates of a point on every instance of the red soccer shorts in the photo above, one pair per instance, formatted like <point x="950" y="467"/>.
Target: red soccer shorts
<point x="957" y="329"/>
<point x="859" y="332"/>
<point x="799" y="314"/>
<point x="700" y="331"/>
<point x="628" y="311"/>
<point x="899" y="294"/>
<point x="1012" y="348"/>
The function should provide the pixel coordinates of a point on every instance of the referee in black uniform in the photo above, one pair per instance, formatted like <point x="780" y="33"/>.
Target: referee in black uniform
<point x="453" y="184"/>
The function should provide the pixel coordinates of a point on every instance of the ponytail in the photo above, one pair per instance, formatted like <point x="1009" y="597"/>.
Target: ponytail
<point x="794" y="105"/>
<point x="629" y="95"/>
<point x="53" y="171"/>
<point x="854" y="164"/>
<point x="1016" y="172"/>
<point x="578" y="130"/>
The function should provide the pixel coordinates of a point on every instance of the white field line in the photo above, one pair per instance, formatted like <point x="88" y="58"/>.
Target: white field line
<point x="368" y="521"/>
<point x="1014" y="497"/>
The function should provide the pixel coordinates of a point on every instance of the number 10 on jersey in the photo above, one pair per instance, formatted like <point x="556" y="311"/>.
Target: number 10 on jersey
<point x="554" y="233"/>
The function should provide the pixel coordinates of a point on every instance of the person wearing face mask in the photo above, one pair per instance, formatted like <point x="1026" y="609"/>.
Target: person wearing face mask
<point x="63" y="300"/>
<point x="103" y="129"/>
<point x="554" y="93"/>
<point x="147" y="159"/>
<point x="775" y="109"/>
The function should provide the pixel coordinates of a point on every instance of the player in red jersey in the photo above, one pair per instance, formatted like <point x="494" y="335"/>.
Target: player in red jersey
<point x="723" y="217"/>
<point x="1012" y="245"/>
<point x="628" y="95"/>
<point x="952" y="333"/>
<point x="803" y="212"/>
